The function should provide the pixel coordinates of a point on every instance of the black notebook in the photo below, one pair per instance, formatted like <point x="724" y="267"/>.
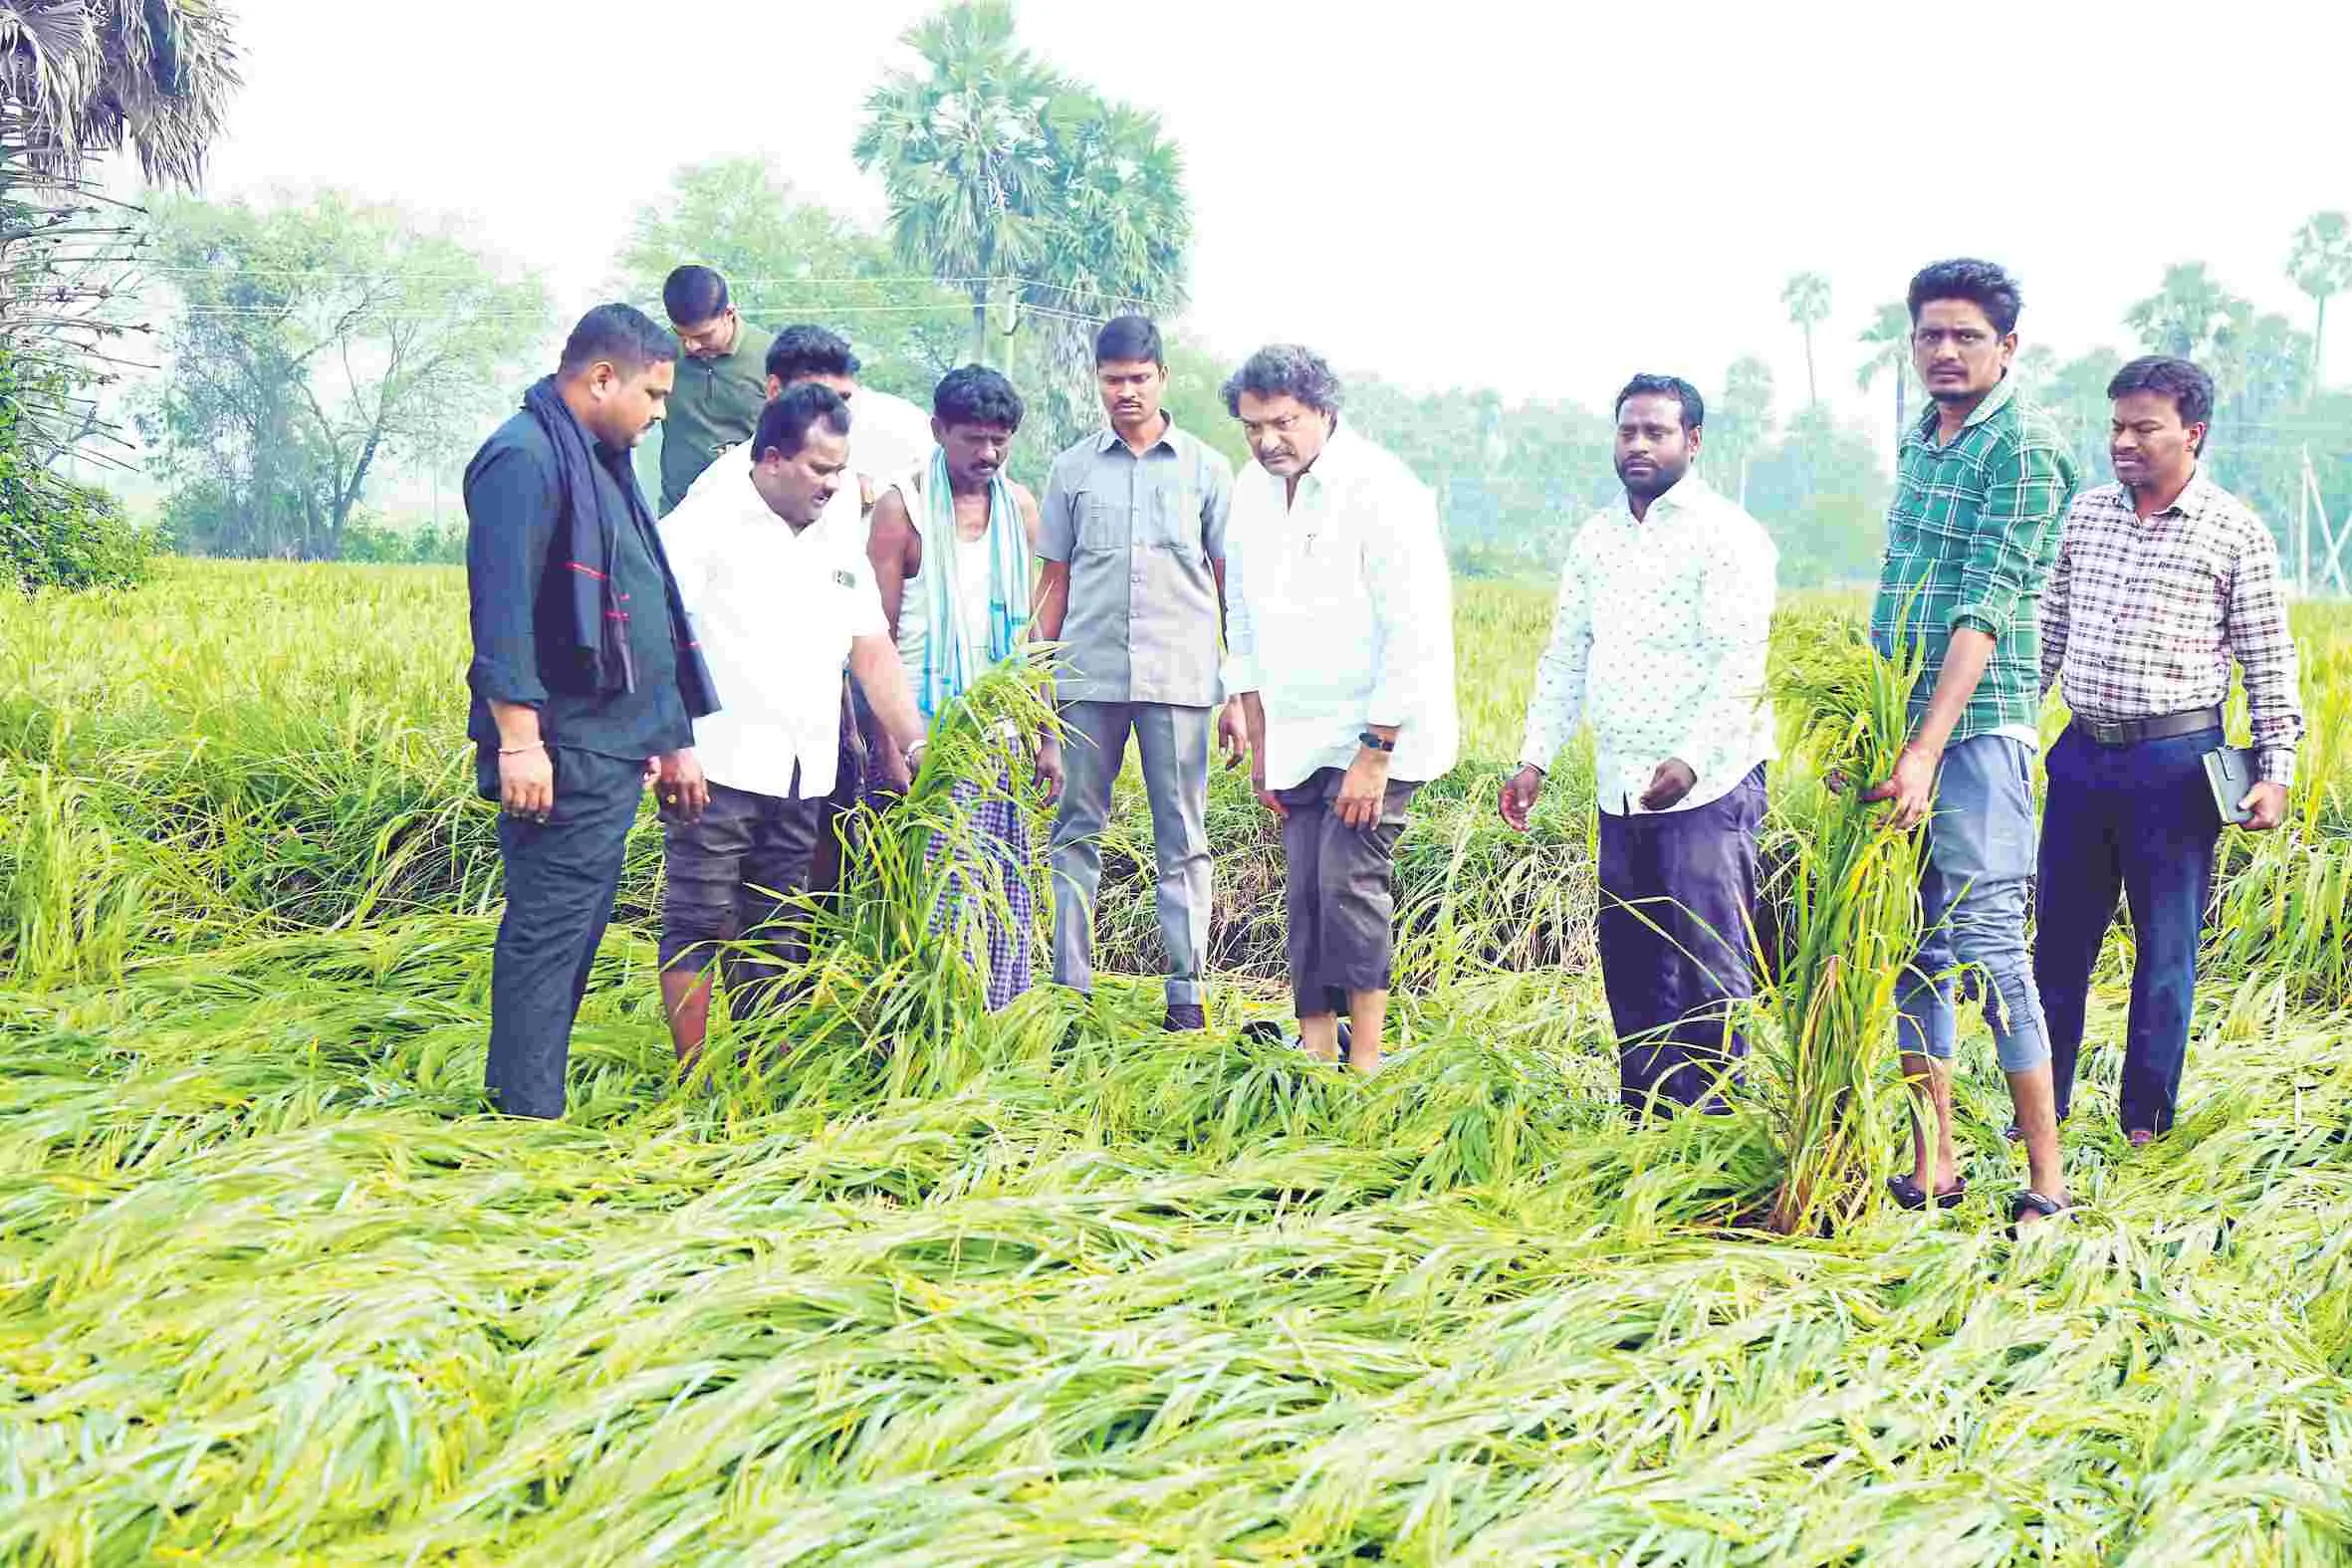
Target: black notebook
<point x="2231" y="772"/>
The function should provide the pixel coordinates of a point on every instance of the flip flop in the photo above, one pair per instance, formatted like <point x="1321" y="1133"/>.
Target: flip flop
<point x="1910" y="1196"/>
<point x="2031" y="1202"/>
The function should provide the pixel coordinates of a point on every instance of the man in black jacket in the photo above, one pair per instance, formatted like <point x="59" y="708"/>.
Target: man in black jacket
<point x="583" y="677"/>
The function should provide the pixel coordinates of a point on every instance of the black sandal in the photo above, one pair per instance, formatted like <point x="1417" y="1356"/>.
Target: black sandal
<point x="1912" y="1196"/>
<point x="2031" y="1202"/>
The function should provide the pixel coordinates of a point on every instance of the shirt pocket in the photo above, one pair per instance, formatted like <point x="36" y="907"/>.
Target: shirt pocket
<point x="1102" y="521"/>
<point x="1172" y="517"/>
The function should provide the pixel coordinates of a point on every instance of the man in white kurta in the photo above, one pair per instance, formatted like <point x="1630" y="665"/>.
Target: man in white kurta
<point x="1659" y="643"/>
<point x="1339" y="640"/>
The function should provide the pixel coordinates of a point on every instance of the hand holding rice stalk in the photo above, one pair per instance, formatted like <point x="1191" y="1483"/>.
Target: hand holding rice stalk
<point x="1851" y="927"/>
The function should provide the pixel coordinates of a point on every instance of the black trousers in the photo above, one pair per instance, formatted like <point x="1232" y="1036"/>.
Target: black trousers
<point x="561" y="877"/>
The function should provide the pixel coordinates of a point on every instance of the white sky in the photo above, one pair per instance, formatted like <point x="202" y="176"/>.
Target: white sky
<point x="1542" y="198"/>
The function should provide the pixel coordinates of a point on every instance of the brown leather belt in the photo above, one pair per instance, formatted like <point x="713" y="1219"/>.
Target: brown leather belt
<point x="2131" y="732"/>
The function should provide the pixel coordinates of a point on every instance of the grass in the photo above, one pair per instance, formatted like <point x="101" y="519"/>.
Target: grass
<point x="273" y="1289"/>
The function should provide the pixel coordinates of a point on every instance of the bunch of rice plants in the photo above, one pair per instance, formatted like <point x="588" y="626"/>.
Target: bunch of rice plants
<point x="1848" y="923"/>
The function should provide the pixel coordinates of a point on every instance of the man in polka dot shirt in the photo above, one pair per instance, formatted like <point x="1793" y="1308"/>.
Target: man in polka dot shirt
<point x="1659" y="643"/>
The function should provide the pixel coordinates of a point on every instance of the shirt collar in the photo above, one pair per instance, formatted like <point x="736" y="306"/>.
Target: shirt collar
<point x="1111" y="438"/>
<point x="2004" y="392"/>
<point x="1684" y="494"/>
<point x="2195" y="496"/>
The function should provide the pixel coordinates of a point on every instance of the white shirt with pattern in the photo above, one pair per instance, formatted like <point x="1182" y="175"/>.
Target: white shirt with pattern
<point x="1659" y="641"/>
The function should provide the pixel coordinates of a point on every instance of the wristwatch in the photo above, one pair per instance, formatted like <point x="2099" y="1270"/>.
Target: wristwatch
<point x="1375" y="743"/>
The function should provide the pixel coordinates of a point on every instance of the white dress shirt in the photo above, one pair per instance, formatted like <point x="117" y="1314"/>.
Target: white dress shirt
<point x="775" y="612"/>
<point x="1339" y="614"/>
<point x="1659" y="641"/>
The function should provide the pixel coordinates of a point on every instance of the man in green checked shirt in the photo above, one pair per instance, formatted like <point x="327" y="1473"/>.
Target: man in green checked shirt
<point x="1981" y="486"/>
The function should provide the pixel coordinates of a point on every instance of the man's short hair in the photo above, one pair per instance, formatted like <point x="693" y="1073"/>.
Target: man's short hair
<point x="693" y="294"/>
<point x="1694" y="410"/>
<point x="1129" y="339"/>
<point x="620" y="335"/>
<point x="2182" y="380"/>
<point x="787" y="417"/>
<point x="976" y="395"/>
<point x="1284" y="370"/>
<point x="802" y="351"/>
<point x="1983" y="284"/>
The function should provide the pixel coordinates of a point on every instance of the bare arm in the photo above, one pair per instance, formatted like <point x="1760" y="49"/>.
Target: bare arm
<point x="895" y="551"/>
<point x="874" y="661"/>
<point x="1052" y="605"/>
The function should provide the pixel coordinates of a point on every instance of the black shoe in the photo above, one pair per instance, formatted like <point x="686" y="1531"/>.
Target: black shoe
<point x="1184" y="1018"/>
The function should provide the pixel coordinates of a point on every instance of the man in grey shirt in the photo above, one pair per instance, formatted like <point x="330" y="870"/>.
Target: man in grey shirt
<point x="1134" y="541"/>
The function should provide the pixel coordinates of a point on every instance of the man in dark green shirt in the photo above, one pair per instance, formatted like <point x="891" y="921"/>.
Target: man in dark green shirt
<point x="1980" y="487"/>
<point x="581" y="678"/>
<point x="722" y="379"/>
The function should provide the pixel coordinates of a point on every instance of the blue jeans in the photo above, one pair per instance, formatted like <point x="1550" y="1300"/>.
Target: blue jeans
<point x="1971" y="893"/>
<point x="2139" y="821"/>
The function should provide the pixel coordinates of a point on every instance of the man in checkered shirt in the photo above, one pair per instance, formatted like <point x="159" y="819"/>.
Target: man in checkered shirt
<point x="2163" y="579"/>
<point x="1982" y="483"/>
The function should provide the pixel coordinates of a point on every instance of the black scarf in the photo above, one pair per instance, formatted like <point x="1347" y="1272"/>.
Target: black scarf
<point x="587" y="537"/>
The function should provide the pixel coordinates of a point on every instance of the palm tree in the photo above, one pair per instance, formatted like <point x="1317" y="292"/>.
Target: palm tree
<point x="1889" y="339"/>
<point x="961" y="148"/>
<point x="2321" y="266"/>
<point x="1114" y="228"/>
<point x="84" y="77"/>
<point x="1808" y="296"/>
<point x="2190" y="316"/>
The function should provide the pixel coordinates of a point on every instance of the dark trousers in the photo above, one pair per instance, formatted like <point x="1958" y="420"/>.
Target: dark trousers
<point x="561" y="877"/>
<point x="1677" y="895"/>
<point x="732" y="880"/>
<point x="1340" y="892"/>
<point x="2140" y="820"/>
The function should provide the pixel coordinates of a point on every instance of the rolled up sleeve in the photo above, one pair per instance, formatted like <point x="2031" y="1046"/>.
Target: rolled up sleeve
<point x="2025" y="505"/>
<point x="1412" y="606"/>
<point x="509" y="504"/>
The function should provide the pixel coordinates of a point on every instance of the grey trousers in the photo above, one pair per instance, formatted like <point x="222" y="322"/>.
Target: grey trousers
<point x="1173" y="743"/>
<point x="1341" y="891"/>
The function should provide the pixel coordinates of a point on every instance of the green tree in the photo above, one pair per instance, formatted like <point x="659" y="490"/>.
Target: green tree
<point x="2189" y="315"/>
<point x="80" y="78"/>
<point x="1738" y="423"/>
<point x="1115" y="227"/>
<point x="1889" y="341"/>
<point x="2076" y="394"/>
<point x="2321" y="266"/>
<point x="962" y="150"/>
<point x="2036" y="366"/>
<point x="1822" y="495"/>
<point x="1808" y="296"/>
<point x="312" y="345"/>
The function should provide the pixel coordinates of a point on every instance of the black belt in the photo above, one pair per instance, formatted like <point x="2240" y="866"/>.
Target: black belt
<point x="2131" y="732"/>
